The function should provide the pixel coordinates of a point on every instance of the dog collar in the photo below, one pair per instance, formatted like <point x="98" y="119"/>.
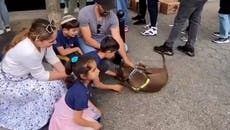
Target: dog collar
<point x="142" y="86"/>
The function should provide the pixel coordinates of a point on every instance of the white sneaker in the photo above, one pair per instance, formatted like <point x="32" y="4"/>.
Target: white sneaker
<point x="221" y="40"/>
<point x="1" y="32"/>
<point x="217" y="34"/>
<point x="147" y="26"/>
<point x="184" y="38"/>
<point x="152" y="31"/>
<point x="8" y="29"/>
<point x="66" y="10"/>
<point x="126" y="47"/>
<point x="76" y="10"/>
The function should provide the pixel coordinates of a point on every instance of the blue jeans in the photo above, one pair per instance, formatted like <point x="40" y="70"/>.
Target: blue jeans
<point x="224" y="25"/>
<point x="123" y="5"/>
<point x="85" y="47"/>
<point x="4" y="15"/>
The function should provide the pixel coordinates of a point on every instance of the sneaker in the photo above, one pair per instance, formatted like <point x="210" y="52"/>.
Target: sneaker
<point x="184" y="32"/>
<point x="147" y="26"/>
<point x="221" y="40"/>
<point x="152" y="31"/>
<point x="76" y="10"/>
<point x="137" y="17"/>
<point x="126" y="28"/>
<point x="1" y="32"/>
<point x="217" y="34"/>
<point x="66" y="10"/>
<point x="163" y="49"/>
<point x="140" y="22"/>
<point x="184" y="38"/>
<point x="126" y="47"/>
<point x="8" y="29"/>
<point x="187" y="49"/>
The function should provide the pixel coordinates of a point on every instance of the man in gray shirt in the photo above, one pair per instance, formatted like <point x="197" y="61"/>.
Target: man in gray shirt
<point x="96" y="22"/>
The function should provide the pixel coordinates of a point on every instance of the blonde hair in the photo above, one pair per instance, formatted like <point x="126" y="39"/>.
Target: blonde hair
<point x="41" y="29"/>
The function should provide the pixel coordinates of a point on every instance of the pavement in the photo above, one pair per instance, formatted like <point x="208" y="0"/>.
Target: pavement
<point x="197" y="96"/>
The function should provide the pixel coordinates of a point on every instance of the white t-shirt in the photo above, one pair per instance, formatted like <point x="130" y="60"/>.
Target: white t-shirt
<point x="24" y="59"/>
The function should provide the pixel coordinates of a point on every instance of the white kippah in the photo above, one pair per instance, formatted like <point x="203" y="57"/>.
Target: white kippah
<point x="67" y="18"/>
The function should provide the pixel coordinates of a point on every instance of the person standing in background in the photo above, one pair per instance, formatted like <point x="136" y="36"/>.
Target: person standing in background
<point x="151" y="29"/>
<point x="224" y="23"/>
<point x="123" y="5"/>
<point x="189" y="10"/>
<point x="140" y="17"/>
<point x="4" y="18"/>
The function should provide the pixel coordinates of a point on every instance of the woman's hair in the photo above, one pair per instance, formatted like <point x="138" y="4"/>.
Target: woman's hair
<point x="40" y="29"/>
<point x="109" y="44"/>
<point x="81" y="66"/>
<point x="69" y="22"/>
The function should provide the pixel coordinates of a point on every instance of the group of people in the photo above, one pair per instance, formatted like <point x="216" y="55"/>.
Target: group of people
<point x="30" y="95"/>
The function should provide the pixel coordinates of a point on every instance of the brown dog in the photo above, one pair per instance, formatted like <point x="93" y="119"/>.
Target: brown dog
<point x="142" y="78"/>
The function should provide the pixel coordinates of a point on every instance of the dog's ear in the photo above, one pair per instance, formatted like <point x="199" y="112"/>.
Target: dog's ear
<point x="140" y="66"/>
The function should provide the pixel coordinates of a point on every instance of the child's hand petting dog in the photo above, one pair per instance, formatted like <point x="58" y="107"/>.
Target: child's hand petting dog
<point x="117" y="87"/>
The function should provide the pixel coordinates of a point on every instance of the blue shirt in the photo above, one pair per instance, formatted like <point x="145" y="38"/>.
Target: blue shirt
<point x="77" y="96"/>
<point x="65" y="42"/>
<point x="101" y="63"/>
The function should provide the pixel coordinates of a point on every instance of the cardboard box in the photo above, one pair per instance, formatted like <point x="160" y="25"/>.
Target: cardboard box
<point x="134" y="5"/>
<point x="169" y="7"/>
<point x="168" y="1"/>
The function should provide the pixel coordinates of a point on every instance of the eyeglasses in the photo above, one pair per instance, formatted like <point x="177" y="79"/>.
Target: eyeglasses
<point x="98" y="28"/>
<point x="50" y="27"/>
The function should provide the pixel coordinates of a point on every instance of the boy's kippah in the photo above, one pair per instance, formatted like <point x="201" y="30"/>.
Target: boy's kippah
<point x="67" y="18"/>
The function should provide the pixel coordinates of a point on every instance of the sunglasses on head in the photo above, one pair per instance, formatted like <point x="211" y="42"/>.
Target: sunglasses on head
<point x="50" y="27"/>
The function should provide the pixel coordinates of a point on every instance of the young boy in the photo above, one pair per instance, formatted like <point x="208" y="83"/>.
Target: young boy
<point x="67" y="39"/>
<point x="108" y="48"/>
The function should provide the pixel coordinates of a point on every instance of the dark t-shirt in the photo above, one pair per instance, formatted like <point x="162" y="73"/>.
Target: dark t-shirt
<point x="101" y="63"/>
<point x="65" y="42"/>
<point x="224" y="7"/>
<point x="77" y="96"/>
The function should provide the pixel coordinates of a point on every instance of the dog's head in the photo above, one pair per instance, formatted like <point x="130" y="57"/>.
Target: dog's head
<point x="136" y="77"/>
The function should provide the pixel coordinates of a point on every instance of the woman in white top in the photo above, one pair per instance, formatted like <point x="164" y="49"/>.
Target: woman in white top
<point x="28" y="91"/>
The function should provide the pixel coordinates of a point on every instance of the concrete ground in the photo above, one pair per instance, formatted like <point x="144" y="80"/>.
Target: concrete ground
<point x="197" y="96"/>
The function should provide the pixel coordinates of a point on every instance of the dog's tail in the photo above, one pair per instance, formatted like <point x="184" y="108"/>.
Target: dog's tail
<point x="163" y="57"/>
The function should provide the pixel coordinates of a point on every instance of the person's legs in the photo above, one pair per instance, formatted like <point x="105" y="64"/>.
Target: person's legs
<point x="66" y="9"/>
<point x="4" y="15"/>
<point x="142" y="8"/>
<point x="123" y="5"/>
<point x="141" y="13"/>
<point x="73" y="5"/>
<point x="194" y="24"/>
<point x="184" y="12"/>
<point x="224" y="25"/>
<point x="153" y="13"/>
<point x="224" y="29"/>
<point x="84" y="47"/>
